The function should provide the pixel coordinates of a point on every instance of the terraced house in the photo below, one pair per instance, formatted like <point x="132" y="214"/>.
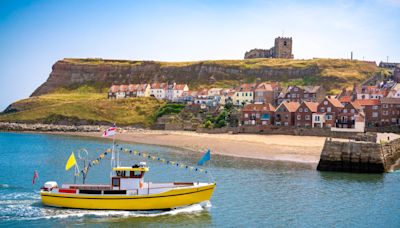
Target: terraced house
<point x="285" y="113"/>
<point x="372" y="111"/>
<point x="159" y="90"/>
<point x="302" y="93"/>
<point x="304" y="114"/>
<point x="257" y="114"/>
<point x="327" y="110"/>
<point x="244" y="94"/>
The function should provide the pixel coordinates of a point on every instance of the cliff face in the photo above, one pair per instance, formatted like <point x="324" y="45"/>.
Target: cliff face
<point x="331" y="73"/>
<point x="70" y="73"/>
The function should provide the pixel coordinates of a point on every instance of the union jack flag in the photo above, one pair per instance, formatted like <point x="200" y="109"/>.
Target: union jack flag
<point x="110" y="131"/>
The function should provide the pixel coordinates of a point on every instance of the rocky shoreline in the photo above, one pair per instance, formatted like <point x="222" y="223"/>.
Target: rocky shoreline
<point x="5" y="126"/>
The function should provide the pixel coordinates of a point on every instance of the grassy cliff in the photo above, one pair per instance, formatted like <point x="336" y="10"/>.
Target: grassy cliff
<point x="82" y="106"/>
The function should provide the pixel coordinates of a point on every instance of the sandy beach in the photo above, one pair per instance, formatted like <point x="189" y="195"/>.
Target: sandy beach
<point x="304" y="149"/>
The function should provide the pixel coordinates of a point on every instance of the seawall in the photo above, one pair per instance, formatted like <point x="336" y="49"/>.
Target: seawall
<point x="362" y="157"/>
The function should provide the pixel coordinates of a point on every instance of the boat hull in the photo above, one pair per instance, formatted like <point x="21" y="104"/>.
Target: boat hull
<point x="167" y="200"/>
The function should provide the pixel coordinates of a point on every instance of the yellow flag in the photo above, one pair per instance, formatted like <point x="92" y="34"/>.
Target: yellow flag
<point x="71" y="161"/>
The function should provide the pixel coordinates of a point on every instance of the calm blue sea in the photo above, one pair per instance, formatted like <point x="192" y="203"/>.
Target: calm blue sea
<point x="249" y="193"/>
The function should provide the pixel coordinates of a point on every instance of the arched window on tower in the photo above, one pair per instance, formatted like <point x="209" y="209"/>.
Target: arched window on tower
<point x="284" y="43"/>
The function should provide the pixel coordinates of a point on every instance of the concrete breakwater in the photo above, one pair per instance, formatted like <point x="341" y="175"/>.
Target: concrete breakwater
<point x="363" y="157"/>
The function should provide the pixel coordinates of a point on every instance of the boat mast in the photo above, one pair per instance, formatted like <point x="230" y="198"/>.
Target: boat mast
<point x="112" y="156"/>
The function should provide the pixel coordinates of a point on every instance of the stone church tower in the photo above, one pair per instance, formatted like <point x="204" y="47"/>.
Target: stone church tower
<point x="283" y="48"/>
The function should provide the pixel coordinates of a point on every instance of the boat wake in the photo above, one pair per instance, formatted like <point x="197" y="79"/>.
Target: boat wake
<point x="27" y="206"/>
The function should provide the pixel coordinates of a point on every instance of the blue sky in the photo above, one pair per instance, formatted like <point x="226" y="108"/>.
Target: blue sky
<point x="35" y="34"/>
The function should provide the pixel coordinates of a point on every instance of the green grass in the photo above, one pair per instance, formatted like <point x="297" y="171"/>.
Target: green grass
<point x="81" y="105"/>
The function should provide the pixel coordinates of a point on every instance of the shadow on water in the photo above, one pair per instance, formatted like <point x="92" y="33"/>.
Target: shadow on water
<point x="224" y="161"/>
<point x="374" y="178"/>
<point x="199" y="219"/>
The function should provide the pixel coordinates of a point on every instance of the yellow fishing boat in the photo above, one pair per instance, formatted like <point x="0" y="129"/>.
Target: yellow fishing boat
<point x="127" y="191"/>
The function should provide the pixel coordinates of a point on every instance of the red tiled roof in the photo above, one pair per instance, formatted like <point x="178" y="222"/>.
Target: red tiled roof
<point x="345" y="99"/>
<point x="311" y="105"/>
<point x="368" y="102"/>
<point x="159" y="86"/>
<point x="142" y="87"/>
<point x="356" y="105"/>
<point x="133" y="87"/>
<point x="123" y="88"/>
<point x="334" y="101"/>
<point x="259" y="107"/>
<point x="114" y="88"/>
<point x="179" y="86"/>
<point x="247" y="87"/>
<point x="264" y="87"/>
<point x="291" y="106"/>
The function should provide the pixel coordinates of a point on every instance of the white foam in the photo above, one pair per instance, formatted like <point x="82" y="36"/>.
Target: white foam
<point x="4" y="186"/>
<point x="37" y="213"/>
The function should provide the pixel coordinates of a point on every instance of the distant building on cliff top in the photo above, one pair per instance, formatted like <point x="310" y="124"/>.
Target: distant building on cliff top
<point x="281" y="49"/>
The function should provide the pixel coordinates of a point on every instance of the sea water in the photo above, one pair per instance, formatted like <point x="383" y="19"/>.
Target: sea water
<point x="249" y="193"/>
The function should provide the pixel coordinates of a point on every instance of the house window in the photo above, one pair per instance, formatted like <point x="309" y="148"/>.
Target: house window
<point x="251" y="94"/>
<point x="265" y="117"/>
<point x="300" y="109"/>
<point x="296" y="89"/>
<point x="316" y="118"/>
<point x="325" y="102"/>
<point x="307" y="117"/>
<point x="329" y="109"/>
<point x="264" y="122"/>
<point x="375" y="114"/>
<point x="246" y="115"/>
<point x="385" y="113"/>
<point x="246" y="94"/>
<point x="328" y="117"/>
<point x="322" y="109"/>
<point x="375" y="107"/>
<point x="344" y="110"/>
<point x="237" y="94"/>
<point x="306" y="95"/>
<point x="385" y="105"/>
<point x="286" y="124"/>
<point x="257" y="115"/>
<point x="298" y="117"/>
<point x="352" y="110"/>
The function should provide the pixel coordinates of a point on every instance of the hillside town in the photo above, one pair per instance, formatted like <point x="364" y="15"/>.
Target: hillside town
<point x="269" y="104"/>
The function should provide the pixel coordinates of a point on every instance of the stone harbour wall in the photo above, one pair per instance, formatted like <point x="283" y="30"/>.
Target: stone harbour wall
<point x="362" y="157"/>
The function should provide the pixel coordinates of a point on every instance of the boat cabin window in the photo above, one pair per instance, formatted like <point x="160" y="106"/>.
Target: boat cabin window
<point x="115" y="182"/>
<point x="136" y="174"/>
<point x="120" y="173"/>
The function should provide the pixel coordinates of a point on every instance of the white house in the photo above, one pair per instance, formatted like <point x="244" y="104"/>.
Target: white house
<point x="143" y="90"/>
<point x="159" y="90"/>
<point x="176" y="90"/>
<point x="318" y="120"/>
<point x="122" y="91"/>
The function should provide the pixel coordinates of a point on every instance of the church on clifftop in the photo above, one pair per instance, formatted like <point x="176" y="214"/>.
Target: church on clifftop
<point x="281" y="49"/>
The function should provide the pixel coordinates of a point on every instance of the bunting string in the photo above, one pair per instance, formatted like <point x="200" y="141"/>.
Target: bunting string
<point x="145" y="155"/>
<point x="162" y="160"/>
